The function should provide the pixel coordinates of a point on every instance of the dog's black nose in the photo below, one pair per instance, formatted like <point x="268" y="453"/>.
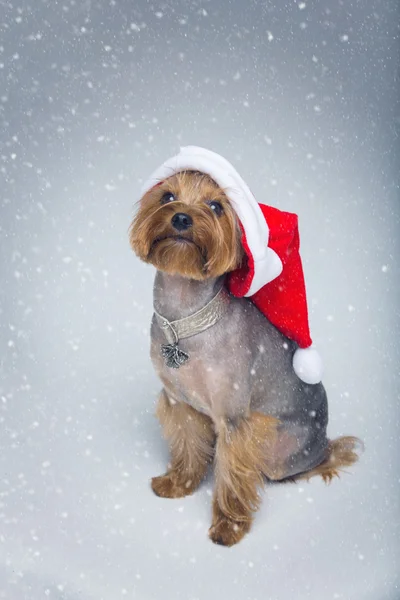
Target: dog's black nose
<point x="181" y="221"/>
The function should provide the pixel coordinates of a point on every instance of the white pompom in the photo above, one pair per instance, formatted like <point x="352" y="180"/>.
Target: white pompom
<point x="307" y="365"/>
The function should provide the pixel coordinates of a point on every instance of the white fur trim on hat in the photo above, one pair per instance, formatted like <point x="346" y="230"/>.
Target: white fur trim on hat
<point x="307" y="365"/>
<point x="267" y="264"/>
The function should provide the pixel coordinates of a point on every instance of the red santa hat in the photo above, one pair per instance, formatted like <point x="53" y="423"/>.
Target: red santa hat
<point x="272" y="277"/>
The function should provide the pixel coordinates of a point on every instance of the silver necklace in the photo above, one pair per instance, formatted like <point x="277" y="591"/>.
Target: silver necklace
<point x="180" y="329"/>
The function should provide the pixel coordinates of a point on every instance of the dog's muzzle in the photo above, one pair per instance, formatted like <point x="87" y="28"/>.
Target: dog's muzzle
<point x="181" y="221"/>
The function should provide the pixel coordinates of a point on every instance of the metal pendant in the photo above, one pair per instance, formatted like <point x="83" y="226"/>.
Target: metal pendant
<point x="173" y="356"/>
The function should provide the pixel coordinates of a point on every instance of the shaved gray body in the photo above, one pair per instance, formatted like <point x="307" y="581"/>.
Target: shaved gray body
<point x="240" y="365"/>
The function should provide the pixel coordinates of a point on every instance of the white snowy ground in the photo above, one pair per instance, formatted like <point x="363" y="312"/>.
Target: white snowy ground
<point x="94" y="95"/>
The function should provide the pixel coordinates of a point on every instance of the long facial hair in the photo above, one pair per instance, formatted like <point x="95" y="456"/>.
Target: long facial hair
<point x="208" y="248"/>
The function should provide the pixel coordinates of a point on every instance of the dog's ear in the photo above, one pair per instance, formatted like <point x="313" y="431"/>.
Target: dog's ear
<point x="137" y="232"/>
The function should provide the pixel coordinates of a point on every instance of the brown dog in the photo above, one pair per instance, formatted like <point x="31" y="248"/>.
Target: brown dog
<point x="230" y="394"/>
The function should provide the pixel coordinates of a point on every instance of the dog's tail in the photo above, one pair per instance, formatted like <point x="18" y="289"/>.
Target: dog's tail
<point x="341" y="453"/>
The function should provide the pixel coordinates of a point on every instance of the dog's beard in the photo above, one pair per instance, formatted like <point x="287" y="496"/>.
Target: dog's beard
<point x="178" y="255"/>
<point x="209" y="249"/>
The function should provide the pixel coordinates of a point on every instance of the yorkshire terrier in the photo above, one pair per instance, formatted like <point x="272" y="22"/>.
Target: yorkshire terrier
<point x="230" y="395"/>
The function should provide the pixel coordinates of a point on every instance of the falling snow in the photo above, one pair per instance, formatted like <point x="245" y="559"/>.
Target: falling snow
<point x="94" y="94"/>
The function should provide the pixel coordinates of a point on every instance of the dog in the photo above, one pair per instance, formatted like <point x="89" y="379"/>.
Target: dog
<point x="230" y="395"/>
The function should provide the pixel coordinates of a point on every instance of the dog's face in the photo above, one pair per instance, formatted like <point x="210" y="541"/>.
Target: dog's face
<point x="186" y="226"/>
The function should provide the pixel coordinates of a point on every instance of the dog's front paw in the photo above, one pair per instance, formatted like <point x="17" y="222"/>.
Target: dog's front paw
<point x="172" y="485"/>
<point x="227" y="532"/>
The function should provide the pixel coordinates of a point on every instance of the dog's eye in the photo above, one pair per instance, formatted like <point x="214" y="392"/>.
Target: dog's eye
<point x="167" y="197"/>
<point x="216" y="207"/>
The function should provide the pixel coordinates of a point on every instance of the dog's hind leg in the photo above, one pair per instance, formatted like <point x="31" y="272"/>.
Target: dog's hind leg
<point x="241" y="460"/>
<point x="190" y="436"/>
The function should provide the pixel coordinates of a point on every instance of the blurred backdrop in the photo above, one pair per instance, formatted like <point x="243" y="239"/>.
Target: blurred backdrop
<point x="303" y="98"/>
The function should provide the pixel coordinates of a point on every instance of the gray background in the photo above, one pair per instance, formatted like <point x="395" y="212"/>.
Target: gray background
<point x="303" y="98"/>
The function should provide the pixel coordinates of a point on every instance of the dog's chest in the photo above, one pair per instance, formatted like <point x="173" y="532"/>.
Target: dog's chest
<point x="195" y="382"/>
<point x="208" y="381"/>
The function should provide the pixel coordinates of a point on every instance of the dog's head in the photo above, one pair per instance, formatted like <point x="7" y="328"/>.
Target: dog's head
<point x="186" y="226"/>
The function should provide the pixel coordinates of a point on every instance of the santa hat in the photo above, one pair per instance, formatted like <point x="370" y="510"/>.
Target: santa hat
<point x="272" y="277"/>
